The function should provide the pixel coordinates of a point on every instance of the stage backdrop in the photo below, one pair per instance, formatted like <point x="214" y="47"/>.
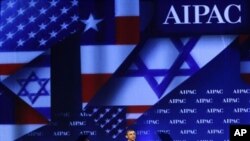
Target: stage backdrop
<point x="171" y="70"/>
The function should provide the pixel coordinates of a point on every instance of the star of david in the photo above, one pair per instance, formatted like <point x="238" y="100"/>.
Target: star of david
<point x="33" y="87"/>
<point x="168" y="74"/>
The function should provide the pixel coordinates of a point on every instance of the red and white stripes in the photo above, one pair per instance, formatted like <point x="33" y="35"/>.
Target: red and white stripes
<point x="245" y="59"/>
<point x="99" y="62"/>
<point x="127" y="21"/>
<point x="134" y="112"/>
<point x="245" y="70"/>
<point x="10" y="62"/>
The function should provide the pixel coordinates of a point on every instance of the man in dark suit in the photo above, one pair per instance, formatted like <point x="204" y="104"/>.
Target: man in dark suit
<point x="130" y="135"/>
<point x="83" y="138"/>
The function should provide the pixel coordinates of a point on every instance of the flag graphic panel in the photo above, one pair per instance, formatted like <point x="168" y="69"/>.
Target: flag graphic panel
<point x="16" y="120"/>
<point x="32" y="85"/>
<point x="149" y="79"/>
<point x="245" y="58"/>
<point x="28" y="28"/>
<point x="171" y="70"/>
<point x="110" y="33"/>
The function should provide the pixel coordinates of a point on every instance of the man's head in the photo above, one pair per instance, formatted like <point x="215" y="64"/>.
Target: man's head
<point x="131" y="135"/>
<point x="83" y="138"/>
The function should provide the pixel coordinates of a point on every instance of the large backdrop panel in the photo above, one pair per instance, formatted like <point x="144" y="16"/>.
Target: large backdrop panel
<point x="171" y="70"/>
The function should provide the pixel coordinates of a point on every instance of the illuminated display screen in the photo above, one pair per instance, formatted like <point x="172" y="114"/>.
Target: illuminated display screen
<point x="170" y="70"/>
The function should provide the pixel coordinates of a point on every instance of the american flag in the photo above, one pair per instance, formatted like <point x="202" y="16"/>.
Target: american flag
<point x="111" y="119"/>
<point x="110" y="34"/>
<point x="30" y="27"/>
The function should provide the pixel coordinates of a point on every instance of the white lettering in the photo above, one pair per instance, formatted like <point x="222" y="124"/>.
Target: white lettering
<point x="174" y="101"/>
<point x="186" y="14"/>
<point x="216" y="16"/>
<point x="163" y="111"/>
<point x="204" y="121"/>
<point x="178" y="121"/>
<point x="198" y="14"/>
<point x="172" y="15"/>
<point x="242" y="110"/>
<point x="241" y="91"/>
<point x="215" y="91"/>
<point x="215" y="110"/>
<point x="188" y="111"/>
<point x="240" y="132"/>
<point x="231" y="100"/>
<point x="215" y="131"/>
<point x="152" y="122"/>
<point x="204" y="100"/>
<point x="226" y="14"/>
<point x="188" y="131"/>
<point x="187" y="91"/>
<point x="231" y="121"/>
<point x="203" y="14"/>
